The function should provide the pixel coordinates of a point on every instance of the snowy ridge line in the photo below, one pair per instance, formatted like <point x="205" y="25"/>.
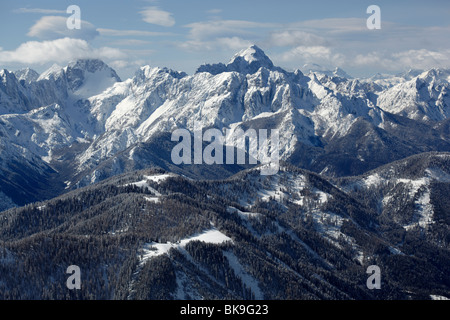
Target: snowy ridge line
<point x="154" y="249"/>
<point x="423" y="213"/>
<point x="144" y="184"/>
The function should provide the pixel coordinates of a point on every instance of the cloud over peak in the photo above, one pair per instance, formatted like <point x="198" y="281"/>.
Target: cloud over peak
<point x="59" y="51"/>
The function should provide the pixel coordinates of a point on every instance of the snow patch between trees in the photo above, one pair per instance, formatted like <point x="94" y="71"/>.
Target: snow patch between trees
<point x="154" y="249"/>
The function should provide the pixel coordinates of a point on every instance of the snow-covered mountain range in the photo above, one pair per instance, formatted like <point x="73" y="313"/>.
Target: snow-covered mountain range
<point x="363" y="180"/>
<point x="76" y="125"/>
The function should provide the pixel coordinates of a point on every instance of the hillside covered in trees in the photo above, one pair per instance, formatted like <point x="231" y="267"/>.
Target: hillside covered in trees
<point x="152" y="234"/>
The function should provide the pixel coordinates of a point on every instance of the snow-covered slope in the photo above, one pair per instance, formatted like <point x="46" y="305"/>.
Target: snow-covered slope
<point x="27" y="75"/>
<point x="407" y="191"/>
<point x="78" y="117"/>
<point x="424" y="97"/>
<point x="248" y="92"/>
<point x="14" y="98"/>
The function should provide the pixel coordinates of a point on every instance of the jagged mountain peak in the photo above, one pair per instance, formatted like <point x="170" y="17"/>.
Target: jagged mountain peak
<point x="435" y="74"/>
<point x="91" y="66"/>
<point x="145" y="72"/>
<point x="26" y="74"/>
<point x="341" y="73"/>
<point x="78" y="67"/>
<point x="5" y="74"/>
<point x="53" y="72"/>
<point x="414" y="76"/>
<point x="83" y="77"/>
<point x="411" y="73"/>
<point x="250" y="60"/>
<point x="252" y="54"/>
<point x="246" y="61"/>
<point x="424" y="97"/>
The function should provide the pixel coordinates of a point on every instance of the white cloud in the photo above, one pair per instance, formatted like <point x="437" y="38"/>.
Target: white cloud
<point x="38" y="10"/>
<point x="414" y="58"/>
<point x="288" y="38"/>
<point x="368" y="59"/>
<point x="131" y="33"/>
<point x="229" y="43"/>
<point x="123" y="64"/>
<point x="59" y="51"/>
<point x="334" y="25"/>
<point x="154" y="15"/>
<point x="119" y="64"/>
<point x="423" y="58"/>
<point x="234" y="43"/>
<point x="54" y="27"/>
<point x="222" y="34"/>
<point x="313" y="54"/>
<point x="224" y="28"/>
<point x="131" y="42"/>
<point x="214" y="11"/>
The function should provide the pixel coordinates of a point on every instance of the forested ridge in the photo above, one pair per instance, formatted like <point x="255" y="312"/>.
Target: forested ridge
<point x="294" y="235"/>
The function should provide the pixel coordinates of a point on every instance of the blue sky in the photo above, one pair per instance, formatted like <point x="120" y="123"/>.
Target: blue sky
<point x="185" y="34"/>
